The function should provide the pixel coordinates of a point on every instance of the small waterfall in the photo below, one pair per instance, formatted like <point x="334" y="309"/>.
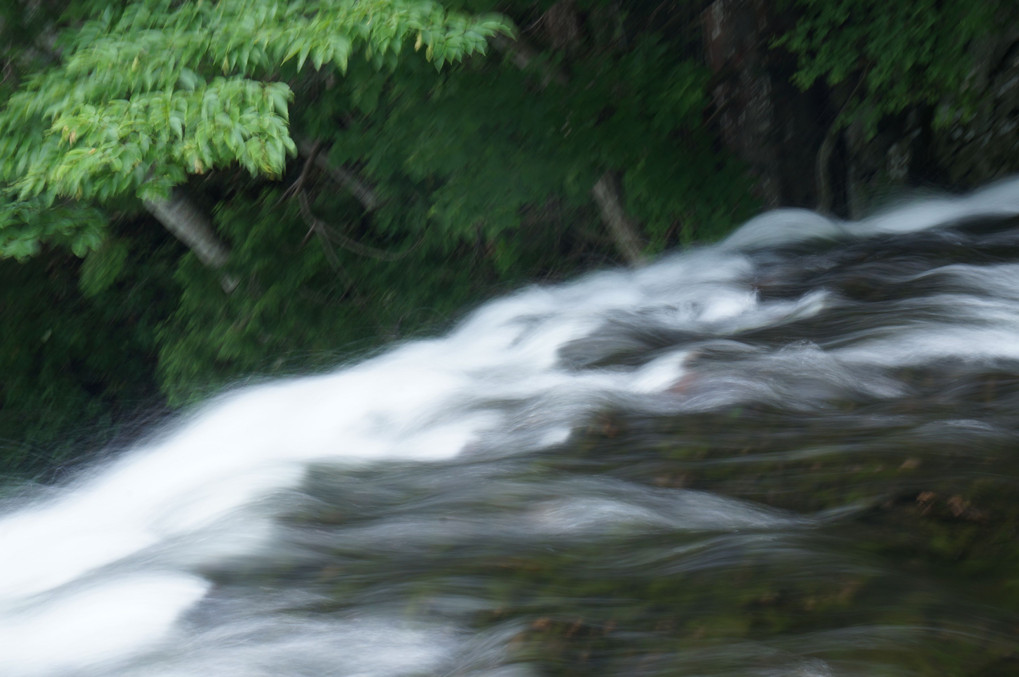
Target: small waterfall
<point x="791" y="453"/>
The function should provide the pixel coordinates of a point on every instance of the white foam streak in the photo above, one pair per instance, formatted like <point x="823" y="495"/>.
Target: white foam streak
<point x="790" y="226"/>
<point x="99" y="625"/>
<point x="783" y="227"/>
<point x="998" y="200"/>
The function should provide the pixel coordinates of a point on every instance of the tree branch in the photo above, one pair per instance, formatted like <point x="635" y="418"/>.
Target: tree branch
<point x="189" y="224"/>
<point x="358" y="187"/>
<point x="328" y="234"/>
<point x="623" y="229"/>
<point x="522" y="55"/>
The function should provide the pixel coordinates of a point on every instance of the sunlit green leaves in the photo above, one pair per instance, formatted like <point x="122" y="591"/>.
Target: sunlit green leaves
<point x="145" y="94"/>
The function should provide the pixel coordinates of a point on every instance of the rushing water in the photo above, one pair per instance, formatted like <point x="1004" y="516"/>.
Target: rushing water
<point x="792" y="453"/>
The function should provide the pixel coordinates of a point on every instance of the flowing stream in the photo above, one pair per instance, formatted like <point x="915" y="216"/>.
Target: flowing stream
<point x="791" y="453"/>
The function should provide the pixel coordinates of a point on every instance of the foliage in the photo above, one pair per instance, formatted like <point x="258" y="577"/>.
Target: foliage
<point x="30" y="223"/>
<point x="486" y="162"/>
<point x="889" y="57"/>
<point x="142" y="96"/>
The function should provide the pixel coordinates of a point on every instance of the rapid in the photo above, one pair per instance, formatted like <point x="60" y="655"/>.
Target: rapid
<point x="795" y="452"/>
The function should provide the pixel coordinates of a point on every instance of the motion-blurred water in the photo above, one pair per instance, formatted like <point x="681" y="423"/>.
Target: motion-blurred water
<point x="793" y="453"/>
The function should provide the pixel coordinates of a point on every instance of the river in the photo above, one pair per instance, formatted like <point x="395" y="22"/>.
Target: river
<point x="790" y="453"/>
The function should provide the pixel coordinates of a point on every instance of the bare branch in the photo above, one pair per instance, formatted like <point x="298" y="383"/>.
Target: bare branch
<point x="622" y="227"/>
<point x="358" y="187"/>
<point x="328" y="233"/>
<point x="189" y="224"/>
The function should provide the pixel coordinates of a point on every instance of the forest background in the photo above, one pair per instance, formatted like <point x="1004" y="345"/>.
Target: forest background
<point x="196" y="193"/>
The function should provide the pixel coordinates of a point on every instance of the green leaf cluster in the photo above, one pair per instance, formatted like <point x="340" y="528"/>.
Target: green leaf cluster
<point x="143" y="95"/>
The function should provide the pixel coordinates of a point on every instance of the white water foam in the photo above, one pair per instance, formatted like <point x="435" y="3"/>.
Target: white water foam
<point x="790" y="226"/>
